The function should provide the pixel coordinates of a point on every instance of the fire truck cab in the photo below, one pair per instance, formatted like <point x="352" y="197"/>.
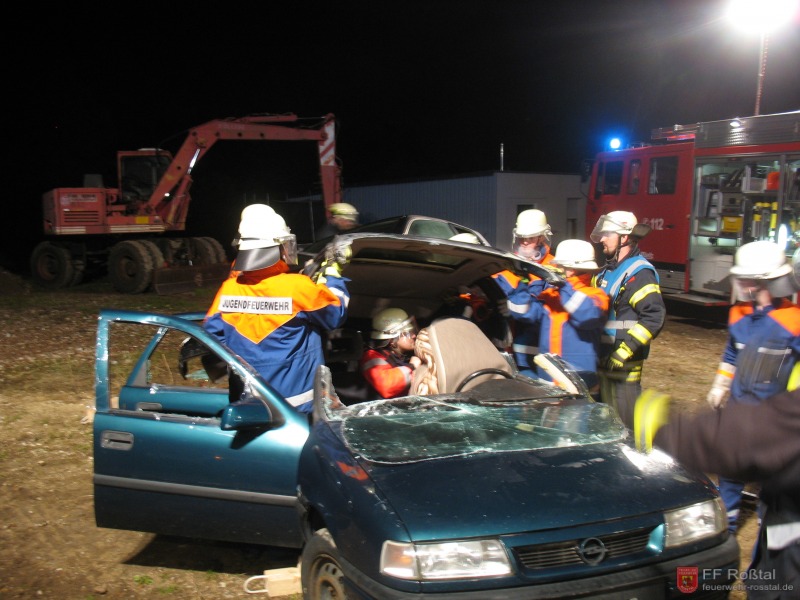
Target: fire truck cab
<point x="705" y="189"/>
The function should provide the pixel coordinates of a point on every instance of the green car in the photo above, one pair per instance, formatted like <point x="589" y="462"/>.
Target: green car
<point x="498" y="486"/>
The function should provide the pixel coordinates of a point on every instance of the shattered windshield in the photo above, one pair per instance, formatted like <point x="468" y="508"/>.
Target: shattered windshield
<point x="418" y="428"/>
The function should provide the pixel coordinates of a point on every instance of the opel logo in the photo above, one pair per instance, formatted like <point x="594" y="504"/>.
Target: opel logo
<point x="592" y="551"/>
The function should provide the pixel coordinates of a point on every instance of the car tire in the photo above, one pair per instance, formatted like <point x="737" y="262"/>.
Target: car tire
<point x="320" y="572"/>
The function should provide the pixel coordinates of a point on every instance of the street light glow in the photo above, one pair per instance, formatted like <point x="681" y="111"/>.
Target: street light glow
<point x="761" y="16"/>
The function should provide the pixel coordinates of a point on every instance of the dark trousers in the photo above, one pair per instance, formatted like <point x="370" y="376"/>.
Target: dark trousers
<point x="783" y="565"/>
<point x="620" y="389"/>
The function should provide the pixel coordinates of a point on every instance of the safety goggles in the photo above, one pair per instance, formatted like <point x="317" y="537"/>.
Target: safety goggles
<point x="533" y="239"/>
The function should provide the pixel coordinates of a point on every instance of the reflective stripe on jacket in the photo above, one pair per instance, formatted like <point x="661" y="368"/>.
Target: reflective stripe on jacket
<point x="636" y="312"/>
<point x="571" y="320"/>
<point x="389" y="374"/>
<point x="764" y="345"/>
<point x="520" y="293"/>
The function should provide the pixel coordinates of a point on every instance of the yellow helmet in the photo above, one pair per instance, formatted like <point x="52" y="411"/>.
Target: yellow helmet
<point x="344" y="210"/>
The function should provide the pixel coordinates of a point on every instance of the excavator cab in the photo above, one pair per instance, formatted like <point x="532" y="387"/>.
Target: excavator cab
<point x="139" y="174"/>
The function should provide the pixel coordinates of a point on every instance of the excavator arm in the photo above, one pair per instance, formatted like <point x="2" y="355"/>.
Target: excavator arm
<point x="170" y="200"/>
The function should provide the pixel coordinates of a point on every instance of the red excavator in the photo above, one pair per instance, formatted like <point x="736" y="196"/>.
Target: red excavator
<point x="126" y="229"/>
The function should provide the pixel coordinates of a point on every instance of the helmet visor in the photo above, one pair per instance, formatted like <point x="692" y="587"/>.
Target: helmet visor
<point x="531" y="247"/>
<point x="405" y="327"/>
<point x="288" y="245"/>
<point x="604" y="226"/>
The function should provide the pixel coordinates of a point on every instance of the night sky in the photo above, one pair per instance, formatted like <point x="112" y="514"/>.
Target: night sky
<point x="419" y="89"/>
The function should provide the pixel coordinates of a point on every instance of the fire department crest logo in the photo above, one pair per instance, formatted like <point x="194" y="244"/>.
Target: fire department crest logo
<point x="687" y="579"/>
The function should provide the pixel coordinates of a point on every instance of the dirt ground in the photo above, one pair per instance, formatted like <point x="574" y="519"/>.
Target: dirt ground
<point x="49" y="544"/>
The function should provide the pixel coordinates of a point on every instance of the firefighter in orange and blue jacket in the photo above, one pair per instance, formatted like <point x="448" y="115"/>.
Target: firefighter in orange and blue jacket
<point x="763" y="341"/>
<point x="388" y="364"/>
<point x="636" y="309"/>
<point x="272" y="318"/>
<point x="531" y="241"/>
<point x="572" y="316"/>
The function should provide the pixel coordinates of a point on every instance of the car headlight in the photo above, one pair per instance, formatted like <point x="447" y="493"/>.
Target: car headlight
<point x="695" y="522"/>
<point x="445" y="560"/>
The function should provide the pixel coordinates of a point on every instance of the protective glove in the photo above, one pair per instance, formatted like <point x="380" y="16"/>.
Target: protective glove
<point x="556" y="278"/>
<point x="619" y="357"/>
<point x="328" y="269"/>
<point x="336" y="257"/>
<point x="339" y="253"/>
<point x="650" y="413"/>
<point x="721" y="388"/>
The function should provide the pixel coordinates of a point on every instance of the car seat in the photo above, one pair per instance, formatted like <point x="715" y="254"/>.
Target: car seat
<point x="451" y="350"/>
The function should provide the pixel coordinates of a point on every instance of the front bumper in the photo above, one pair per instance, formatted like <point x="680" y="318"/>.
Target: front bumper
<point x="716" y="574"/>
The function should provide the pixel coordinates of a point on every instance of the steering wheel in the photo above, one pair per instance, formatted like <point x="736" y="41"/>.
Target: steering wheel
<point x="480" y="372"/>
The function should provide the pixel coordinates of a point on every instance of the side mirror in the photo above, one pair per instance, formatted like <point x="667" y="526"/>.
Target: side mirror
<point x="248" y="413"/>
<point x="586" y="169"/>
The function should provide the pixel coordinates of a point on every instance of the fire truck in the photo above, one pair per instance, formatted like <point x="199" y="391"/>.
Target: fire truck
<point x="704" y="190"/>
<point x="134" y="230"/>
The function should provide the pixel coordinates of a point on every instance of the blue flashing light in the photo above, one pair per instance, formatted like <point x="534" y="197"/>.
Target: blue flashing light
<point x="615" y="143"/>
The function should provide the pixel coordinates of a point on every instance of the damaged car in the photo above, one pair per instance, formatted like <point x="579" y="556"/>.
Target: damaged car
<point x="480" y="483"/>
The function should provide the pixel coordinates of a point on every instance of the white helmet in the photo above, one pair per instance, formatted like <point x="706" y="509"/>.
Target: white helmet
<point x="390" y="323"/>
<point x="344" y="210"/>
<point x="618" y="221"/>
<point x="530" y="223"/>
<point x="466" y="237"/>
<point x="760" y="260"/>
<point x="575" y="254"/>
<point x="264" y="238"/>
<point x="762" y="264"/>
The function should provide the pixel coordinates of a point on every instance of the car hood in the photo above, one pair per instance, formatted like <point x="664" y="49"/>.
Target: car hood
<point x="512" y="492"/>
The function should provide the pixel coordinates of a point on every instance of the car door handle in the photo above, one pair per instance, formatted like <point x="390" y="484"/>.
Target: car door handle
<point x="116" y="440"/>
<point x="154" y="406"/>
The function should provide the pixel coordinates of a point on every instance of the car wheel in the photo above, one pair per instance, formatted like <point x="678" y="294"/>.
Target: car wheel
<point x="321" y="575"/>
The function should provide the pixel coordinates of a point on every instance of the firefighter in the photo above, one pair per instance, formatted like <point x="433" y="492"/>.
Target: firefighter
<point x="343" y="217"/>
<point x="389" y="362"/>
<point x="763" y="341"/>
<point x="531" y="241"/>
<point x="636" y="311"/>
<point x="272" y="318"/>
<point x="571" y="318"/>
<point x="756" y="442"/>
